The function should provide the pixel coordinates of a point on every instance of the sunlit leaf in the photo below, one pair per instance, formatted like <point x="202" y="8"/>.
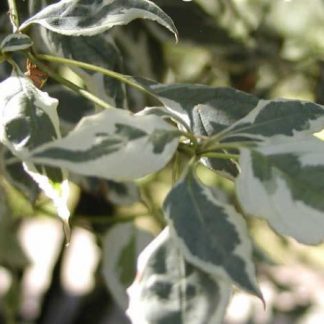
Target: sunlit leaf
<point x="28" y="118"/>
<point x="91" y="17"/>
<point x="279" y="117"/>
<point x="211" y="234"/>
<point x="28" y="115"/>
<point x="113" y="144"/>
<point x="170" y="290"/>
<point x="205" y="110"/>
<point x="281" y="182"/>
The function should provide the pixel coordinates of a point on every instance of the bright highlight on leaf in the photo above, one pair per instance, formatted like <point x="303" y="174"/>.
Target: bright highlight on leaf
<point x="91" y="17"/>
<point x="211" y="234"/>
<point x="114" y="145"/>
<point x="168" y="289"/>
<point x="272" y="118"/>
<point x="28" y="118"/>
<point x="281" y="182"/>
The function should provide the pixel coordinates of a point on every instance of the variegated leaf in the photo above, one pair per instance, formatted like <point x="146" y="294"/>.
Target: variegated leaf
<point x="205" y="110"/>
<point x="113" y="144"/>
<point x="91" y="17"/>
<point x="281" y="181"/>
<point x="28" y="118"/>
<point x="170" y="290"/>
<point x="121" y="246"/>
<point x="15" y="42"/>
<point x="28" y="115"/>
<point x="278" y="117"/>
<point x="211" y="234"/>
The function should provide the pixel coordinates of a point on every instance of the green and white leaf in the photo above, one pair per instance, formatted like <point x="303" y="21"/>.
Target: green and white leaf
<point x="279" y="117"/>
<point x="28" y="116"/>
<point x="122" y="245"/>
<point x="91" y="17"/>
<point x="210" y="233"/>
<point x="170" y="290"/>
<point x="15" y="42"/>
<point x="114" y="144"/>
<point x="281" y="181"/>
<point x="205" y="110"/>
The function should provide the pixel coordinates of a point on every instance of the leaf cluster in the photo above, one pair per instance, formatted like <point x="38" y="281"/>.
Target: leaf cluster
<point x="87" y="132"/>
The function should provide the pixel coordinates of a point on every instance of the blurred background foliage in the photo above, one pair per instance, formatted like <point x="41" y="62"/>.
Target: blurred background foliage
<point x="271" y="48"/>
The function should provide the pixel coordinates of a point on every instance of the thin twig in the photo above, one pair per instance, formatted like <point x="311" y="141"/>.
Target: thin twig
<point x="82" y="92"/>
<point x="118" y="76"/>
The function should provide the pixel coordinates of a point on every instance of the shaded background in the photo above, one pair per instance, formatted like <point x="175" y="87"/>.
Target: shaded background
<point x="271" y="48"/>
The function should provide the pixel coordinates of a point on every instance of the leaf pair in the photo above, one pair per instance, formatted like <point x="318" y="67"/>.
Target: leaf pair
<point x="280" y="175"/>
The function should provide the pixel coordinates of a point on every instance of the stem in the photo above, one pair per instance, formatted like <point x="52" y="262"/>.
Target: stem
<point x="184" y="148"/>
<point x="225" y="156"/>
<point x="13" y="14"/>
<point x="190" y="136"/>
<point x="210" y="146"/>
<point x="82" y="92"/>
<point x="121" y="77"/>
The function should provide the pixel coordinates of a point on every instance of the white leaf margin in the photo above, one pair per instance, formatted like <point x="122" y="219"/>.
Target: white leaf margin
<point x="114" y="20"/>
<point x="314" y="125"/>
<point x="7" y="45"/>
<point x="285" y="215"/>
<point x="243" y="250"/>
<point x="134" y="161"/>
<point x="136" y="311"/>
<point x="12" y="91"/>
